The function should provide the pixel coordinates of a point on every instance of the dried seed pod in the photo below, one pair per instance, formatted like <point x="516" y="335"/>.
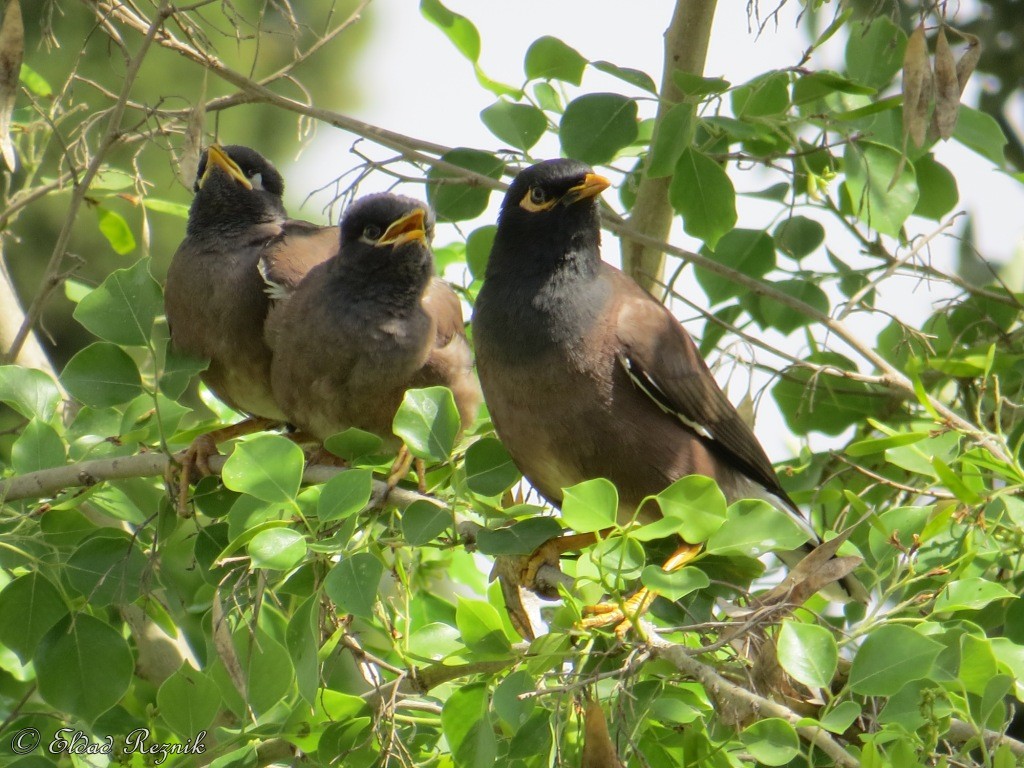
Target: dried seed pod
<point x="12" y="51"/>
<point x="917" y="75"/>
<point x="947" y="88"/>
<point x="965" y="67"/>
<point x="598" y="748"/>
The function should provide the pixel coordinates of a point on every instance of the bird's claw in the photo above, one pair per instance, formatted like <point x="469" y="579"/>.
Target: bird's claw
<point x="194" y="462"/>
<point x="620" y="616"/>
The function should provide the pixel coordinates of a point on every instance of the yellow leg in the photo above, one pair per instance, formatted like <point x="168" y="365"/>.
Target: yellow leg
<point x="400" y="468"/>
<point x="622" y="616"/>
<point x="196" y="458"/>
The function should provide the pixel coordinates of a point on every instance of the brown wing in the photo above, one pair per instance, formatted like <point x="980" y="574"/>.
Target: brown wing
<point x="663" y="361"/>
<point x="299" y="248"/>
<point x="451" y="361"/>
<point x="286" y="260"/>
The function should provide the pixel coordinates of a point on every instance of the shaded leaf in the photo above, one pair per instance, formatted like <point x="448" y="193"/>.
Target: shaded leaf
<point x="455" y="198"/>
<point x="548" y="58"/>
<point x="878" y="671"/>
<point x="123" y="307"/>
<point x="596" y="126"/>
<point x="808" y="653"/>
<point x="428" y="422"/>
<point x="102" y="375"/>
<point x="703" y="194"/>
<point x="879" y="196"/>
<point x="268" y="467"/>
<point x="519" y="125"/>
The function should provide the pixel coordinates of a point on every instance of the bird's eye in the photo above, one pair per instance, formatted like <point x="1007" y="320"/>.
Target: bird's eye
<point x="538" y="196"/>
<point x="372" y="232"/>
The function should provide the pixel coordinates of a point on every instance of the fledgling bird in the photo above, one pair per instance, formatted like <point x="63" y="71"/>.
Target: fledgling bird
<point x="585" y="375"/>
<point x="370" y="323"/>
<point x="215" y="298"/>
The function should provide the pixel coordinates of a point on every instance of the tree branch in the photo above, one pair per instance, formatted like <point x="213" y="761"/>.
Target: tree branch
<point x="738" y="705"/>
<point x="686" y="49"/>
<point x="47" y="483"/>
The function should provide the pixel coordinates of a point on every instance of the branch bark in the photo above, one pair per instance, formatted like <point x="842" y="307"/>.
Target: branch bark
<point x="686" y="49"/>
<point x="12" y="318"/>
<point x="47" y="483"/>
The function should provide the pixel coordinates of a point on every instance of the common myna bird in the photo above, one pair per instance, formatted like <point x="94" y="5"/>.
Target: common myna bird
<point x="370" y="323"/>
<point x="585" y="375"/>
<point x="215" y="298"/>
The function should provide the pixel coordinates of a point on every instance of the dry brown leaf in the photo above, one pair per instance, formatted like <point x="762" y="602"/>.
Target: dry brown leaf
<point x="947" y="88"/>
<point x="192" y="147"/>
<point x="965" y="67"/>
<point x="507" y="570"/>
<point x="598" y="747"/>
<point x="916" y="91"/>
<point x="12" y="51"/>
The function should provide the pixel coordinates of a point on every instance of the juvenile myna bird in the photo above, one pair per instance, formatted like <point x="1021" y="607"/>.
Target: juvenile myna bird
<point x="370" y="323"/>
<point x="215" y="298"/>
<point x="585" y="375"/>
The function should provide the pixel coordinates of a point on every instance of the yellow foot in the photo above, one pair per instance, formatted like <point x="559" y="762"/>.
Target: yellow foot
<point x="621" y="617"/>
<point x="194" y="460"/>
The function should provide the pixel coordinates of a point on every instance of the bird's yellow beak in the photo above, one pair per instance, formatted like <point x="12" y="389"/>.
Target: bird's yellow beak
<point x="592" y="186"/>
<point x="408" y="228"/>
<point x="217" y="157"/>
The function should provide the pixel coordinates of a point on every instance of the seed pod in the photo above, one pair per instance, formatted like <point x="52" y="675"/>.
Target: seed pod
<point x="965" y="67"/>
<point x="917" y="75"/>
<point x="12" y="51"/>
<point x="947" y="88"/>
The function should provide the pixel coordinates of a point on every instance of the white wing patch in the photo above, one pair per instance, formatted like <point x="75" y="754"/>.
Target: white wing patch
<point x="648" y="386"/>
<point x="276" y="291"/>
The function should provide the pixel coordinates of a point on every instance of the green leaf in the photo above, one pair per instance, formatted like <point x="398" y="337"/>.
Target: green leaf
<point x="596" y="126"/>
<point x="590" y="506"/>
<point x="178" y="371"/>
<point x="635" y="77"/>
<point x="83" y="666"/>
<point x="37" y="447"/>
<point x="765" y="95"/>
<point x="748" y="251"/>
<point x="808" y="652"/>
<point x="970" y="594"/>
<point x="703" y="194"/>
<point x="268" y="467"/>
<point x="870" y="169"/>
<point x="824" y="402"/>
<point x="34" y="82"/>
<point x="548" y="98"/>
<point x="107" y="569"/>
<point x="880" y="444"/>
<point x="466" y="722"/>
<point x="979" y="131"/>
<point x="116" y="230"/>
<point x="673" y="585"/>
<point x="457" y="28"/>
<point x="122" y="309"/>
<point x="769" y="312"/>
<point x="521" y="538"/>
<point x="509" y="703"/>
<point x="799" y="236"/>
<point x="165" y="206"/>
<point x="478" y="249"/>
<point x="695" y="85"/>
<point x="188" y="701"/>
<point x="939" y="192"/>
<point x="548" y="58"/>
<point x="697" y="503"/>
<point x="353" y="444"/>
<point x="879" y="671"/>
<point x="344" y="495"/>
<point x="675" y="133"/>
<point x="838" y="720"/>
<point x="30" y="392"/>
<point x="352" y="584"/>
<point x="452" y="197"/>
<point x="874" y="51"/>
<point x="490" y="471"/>
<point x="29" y="606"/>
<point x="266" y="667"/>
<point x="518" y="125"/>
<point x="754" y="527"/>
<point x="278" y="549"/>
<point x="771" y="741"/>
<point x="481" y="629"/>
<point x="423" y="521"/>
<point x="428" y="422"/>
<point x="102" y="375"/>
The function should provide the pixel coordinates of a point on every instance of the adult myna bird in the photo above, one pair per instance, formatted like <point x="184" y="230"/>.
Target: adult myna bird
<point x="370" y="323"/>
<point x="215" y="298"/>
<point x="585" y="375"/>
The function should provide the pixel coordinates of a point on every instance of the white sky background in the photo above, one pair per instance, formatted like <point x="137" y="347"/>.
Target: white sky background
<point x="415" y="82"/>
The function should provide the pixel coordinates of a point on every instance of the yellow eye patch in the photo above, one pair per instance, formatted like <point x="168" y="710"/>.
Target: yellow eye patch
<point x="535" y="206"/>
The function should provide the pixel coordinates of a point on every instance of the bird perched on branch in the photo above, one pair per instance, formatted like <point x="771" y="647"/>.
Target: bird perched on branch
<point x="215" y="298"/>
<point x="367" y="325"/>
<point x="585" y="375"/>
